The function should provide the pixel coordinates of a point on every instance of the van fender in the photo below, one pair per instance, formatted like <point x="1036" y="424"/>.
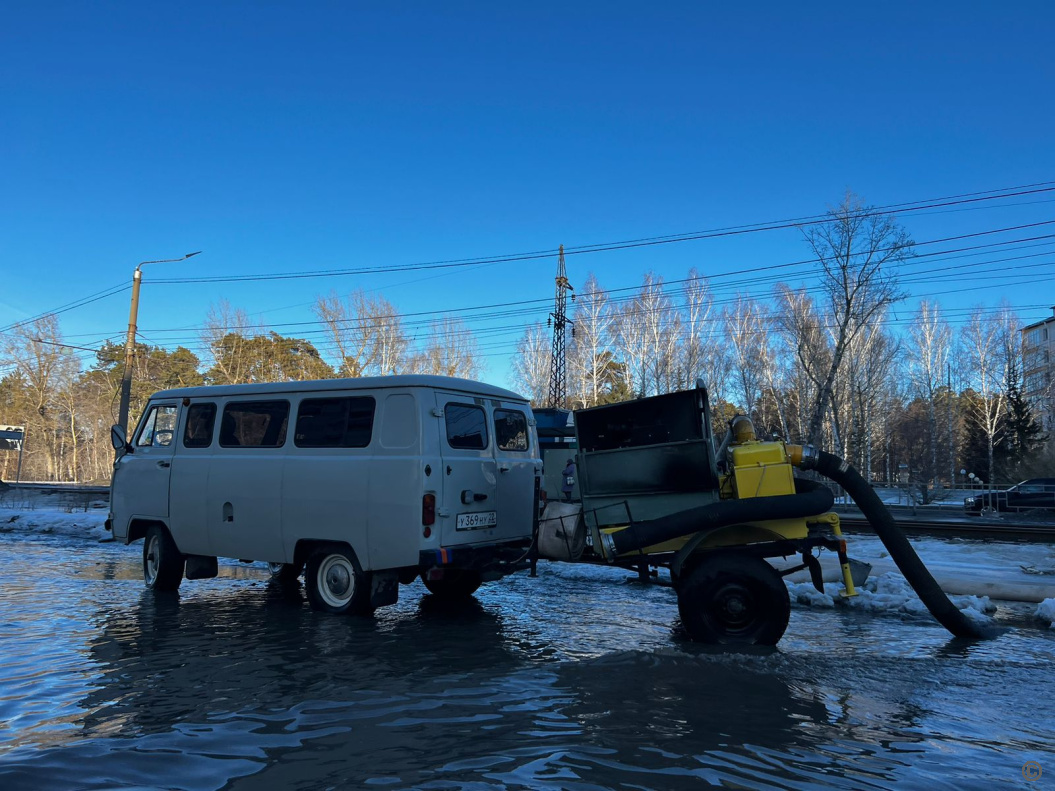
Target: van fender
<point x="137" y="529"/>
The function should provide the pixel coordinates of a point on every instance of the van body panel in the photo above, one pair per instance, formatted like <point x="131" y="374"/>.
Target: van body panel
<point x="189" y="502"/>
<point x="244" y="500"/>
<point x="326" y="497"/>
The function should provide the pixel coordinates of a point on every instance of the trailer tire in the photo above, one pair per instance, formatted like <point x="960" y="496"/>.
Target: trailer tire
<point x="336" y="582"/>
<point x="163" y="563"/>
<point x="456" y="584"/>
<point x="730" y="598"/>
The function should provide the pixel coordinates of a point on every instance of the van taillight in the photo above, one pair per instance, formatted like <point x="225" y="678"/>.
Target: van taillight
<point x="428" y="509"/>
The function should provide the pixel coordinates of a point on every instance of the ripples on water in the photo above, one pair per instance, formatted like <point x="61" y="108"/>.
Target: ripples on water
<point x="575" y="680"/>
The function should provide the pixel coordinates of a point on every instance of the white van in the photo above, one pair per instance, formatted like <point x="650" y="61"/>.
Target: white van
<point x="360" y="483"/>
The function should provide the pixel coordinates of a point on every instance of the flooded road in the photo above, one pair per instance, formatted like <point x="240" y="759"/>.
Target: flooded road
<point x="575" y="680"/>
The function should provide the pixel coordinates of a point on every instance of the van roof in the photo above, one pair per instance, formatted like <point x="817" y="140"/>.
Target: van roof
<point x="361" y="383"/>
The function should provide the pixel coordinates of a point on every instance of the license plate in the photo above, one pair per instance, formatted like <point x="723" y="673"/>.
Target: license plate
<point x="478" y="520"/>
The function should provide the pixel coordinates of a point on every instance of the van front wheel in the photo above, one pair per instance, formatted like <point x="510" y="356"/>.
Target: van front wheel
<point x="336" y="583"/>
<point x="162" y="562"/>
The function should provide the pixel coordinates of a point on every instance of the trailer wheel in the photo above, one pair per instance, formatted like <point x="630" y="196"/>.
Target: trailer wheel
<point x="336" y="583"/>
<point x="284" y="573"/>
<point x="456" y="584"/>
<point x="162" y="561"/>
<point x="734" y="599"/>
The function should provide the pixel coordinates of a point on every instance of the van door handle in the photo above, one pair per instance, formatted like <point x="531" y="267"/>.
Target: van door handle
<point x="163" y="464"/>
<point x="503" y="468"/>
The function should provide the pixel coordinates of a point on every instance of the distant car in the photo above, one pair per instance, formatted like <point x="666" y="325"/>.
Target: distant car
<point x="1025" y="496"/>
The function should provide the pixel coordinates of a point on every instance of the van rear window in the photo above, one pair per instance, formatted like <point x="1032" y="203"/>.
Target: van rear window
<point x="466" y="426"/>
<point x="254" y="424"/>
<point x="334" y="422"/>
<point x="511" y="430"/>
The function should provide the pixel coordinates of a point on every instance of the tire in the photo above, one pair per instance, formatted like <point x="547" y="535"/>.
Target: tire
<point x="163" y="563"/>
<point x="456" y="584"/>
<point x="336" y="582"/>
<point x="734" y="599"/>
<point x="284" y="572"/>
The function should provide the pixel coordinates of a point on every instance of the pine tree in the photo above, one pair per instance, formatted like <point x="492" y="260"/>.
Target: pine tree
<point x="1022" y="433"/>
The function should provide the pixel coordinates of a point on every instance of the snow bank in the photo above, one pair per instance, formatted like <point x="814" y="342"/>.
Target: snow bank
<point x="887" y="593"/>
<point x="1046" y="612"/>
<point x="53" y="520"/>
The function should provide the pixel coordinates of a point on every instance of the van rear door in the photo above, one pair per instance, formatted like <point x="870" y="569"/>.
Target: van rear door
<point x="468" y="513"/>
<point x="518" y="463"/>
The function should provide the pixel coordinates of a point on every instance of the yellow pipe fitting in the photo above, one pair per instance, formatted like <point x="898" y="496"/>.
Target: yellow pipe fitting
<point x="743" y="429"/>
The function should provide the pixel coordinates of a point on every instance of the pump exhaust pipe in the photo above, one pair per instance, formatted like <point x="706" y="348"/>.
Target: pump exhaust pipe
<point x="908" y="562"/>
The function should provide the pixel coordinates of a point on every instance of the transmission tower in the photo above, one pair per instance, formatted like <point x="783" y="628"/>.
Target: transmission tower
<point x="558" y="389"/>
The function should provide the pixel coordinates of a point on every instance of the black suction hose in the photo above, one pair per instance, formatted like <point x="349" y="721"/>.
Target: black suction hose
<point x="897" y="545"/>
<point x="810" y="499"/>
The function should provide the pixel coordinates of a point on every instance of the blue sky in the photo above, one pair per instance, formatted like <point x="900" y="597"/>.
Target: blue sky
<point x="282" y="137"/>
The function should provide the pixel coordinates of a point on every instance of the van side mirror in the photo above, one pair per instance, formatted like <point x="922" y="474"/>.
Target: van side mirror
<point x="118" y="439"/>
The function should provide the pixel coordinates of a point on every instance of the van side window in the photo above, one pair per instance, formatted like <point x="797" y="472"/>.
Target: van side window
<point x="158" y="428"/>
<point x="198" y="431"/>
<point x="511" y="430"/>
<point x="334" y="422"/>
<point x="254" y="424"/>
<point x="466" y="426"/>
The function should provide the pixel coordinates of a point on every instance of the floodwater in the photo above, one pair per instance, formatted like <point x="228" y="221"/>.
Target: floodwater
<point x="574" y="680"/>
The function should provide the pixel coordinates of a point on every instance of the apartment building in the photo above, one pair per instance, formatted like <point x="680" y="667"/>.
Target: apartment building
<point x="1038" y="369"/>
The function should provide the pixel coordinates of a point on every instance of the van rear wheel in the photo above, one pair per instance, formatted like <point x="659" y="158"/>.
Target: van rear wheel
<point x="734" y="599"/>
<point x="163" y="563"/>
<point x="336" y="582"/>
<point x="455" y="584"/>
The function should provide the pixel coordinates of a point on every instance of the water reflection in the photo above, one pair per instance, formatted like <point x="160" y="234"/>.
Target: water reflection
<point x="536" y="683"/>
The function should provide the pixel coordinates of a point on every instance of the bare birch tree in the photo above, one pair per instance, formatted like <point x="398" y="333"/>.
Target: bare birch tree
<point x="927" y="358"/>
<point x="531" y="364"/>
<point x="747" y="338"/>
<point x="589" y="360"/>
<point x="858" y="250"/>
<point x="226" y="335"/>
<point x="985" y="340"/>
<point x="366" y="333"/>
<point x="450" y="350"/>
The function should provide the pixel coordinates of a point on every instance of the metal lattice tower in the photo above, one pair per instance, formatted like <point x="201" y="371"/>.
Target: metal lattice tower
<point x="558" y="389"/>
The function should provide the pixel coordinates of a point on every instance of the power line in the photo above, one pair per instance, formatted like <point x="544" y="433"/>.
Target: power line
<point x="610" y="246"/>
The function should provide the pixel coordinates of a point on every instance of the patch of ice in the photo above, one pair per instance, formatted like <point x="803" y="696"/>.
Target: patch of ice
<point x="1046" y="612"/>
<point x="804" y="593"/>
<point x="887" y="593"/>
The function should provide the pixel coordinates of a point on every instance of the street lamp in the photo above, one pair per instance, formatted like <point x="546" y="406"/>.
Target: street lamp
<point x="130" y="342"/>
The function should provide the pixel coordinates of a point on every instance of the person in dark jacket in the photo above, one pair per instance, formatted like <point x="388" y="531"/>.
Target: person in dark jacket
<point x="568" y="480"/>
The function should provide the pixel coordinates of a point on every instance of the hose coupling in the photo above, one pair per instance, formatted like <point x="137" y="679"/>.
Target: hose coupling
<point x="608" y="546"/>
<point x="803" y="456"/>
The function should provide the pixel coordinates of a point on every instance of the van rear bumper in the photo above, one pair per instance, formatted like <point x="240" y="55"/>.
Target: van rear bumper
<point x="506" y="557"/>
